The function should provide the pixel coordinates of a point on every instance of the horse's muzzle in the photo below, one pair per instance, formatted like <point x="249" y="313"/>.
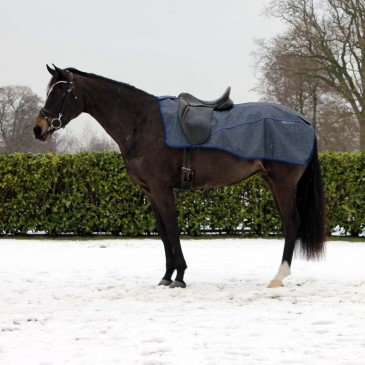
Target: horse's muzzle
<point x="37" y="132"/>
<point x="40" y="129"/>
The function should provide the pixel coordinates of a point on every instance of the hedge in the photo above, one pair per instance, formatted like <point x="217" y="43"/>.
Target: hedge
<point x="90" y="193"/>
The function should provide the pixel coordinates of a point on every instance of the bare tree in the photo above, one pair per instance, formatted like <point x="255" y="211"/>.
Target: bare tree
<point x="18" y="109"/>
<point x="101" y="143"/>
<point x="328" y="36"/>
<point x="281" y="81"/>
<point x="337" y="125"/>
<point x="92" y="140"/>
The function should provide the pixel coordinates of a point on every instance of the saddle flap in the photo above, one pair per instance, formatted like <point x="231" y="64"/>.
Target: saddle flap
<point x="196" y="122"/>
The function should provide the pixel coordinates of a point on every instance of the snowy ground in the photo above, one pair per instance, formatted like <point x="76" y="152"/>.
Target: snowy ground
<point x="96" y="302"/>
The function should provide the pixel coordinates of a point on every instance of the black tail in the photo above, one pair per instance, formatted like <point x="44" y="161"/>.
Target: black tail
<point x="310" y="202"/>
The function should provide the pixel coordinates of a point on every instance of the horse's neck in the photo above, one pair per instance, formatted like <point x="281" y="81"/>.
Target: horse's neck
<point x="118" y="108"/>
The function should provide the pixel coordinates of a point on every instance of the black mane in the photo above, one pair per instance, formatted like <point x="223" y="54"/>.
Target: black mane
<point x="94" y="76"/>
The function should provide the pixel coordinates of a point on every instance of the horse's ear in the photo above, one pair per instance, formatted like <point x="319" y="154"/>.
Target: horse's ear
<point x="51" y="70"/>
<point x="62" y="73"/>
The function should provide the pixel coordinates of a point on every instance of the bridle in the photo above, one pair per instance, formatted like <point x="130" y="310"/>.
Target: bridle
<point x="56" y="122"/>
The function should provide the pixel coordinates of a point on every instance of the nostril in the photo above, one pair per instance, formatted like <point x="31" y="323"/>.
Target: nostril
<point x="37" y="131"/>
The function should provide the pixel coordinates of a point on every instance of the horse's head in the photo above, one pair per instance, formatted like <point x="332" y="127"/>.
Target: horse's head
<point x="62" y="105"/>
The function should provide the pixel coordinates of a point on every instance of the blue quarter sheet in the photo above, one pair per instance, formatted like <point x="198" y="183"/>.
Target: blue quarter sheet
<point x="264" y="131"/>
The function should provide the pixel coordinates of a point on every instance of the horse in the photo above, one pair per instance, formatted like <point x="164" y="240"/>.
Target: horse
<point x="132" y="118"/>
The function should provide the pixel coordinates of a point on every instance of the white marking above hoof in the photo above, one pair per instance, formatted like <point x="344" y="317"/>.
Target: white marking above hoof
<point x="284" y="271"/>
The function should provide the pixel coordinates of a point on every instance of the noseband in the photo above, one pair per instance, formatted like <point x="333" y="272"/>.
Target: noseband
<point x="56" y="122"/>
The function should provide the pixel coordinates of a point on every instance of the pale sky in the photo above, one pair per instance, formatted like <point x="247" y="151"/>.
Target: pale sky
<point x="161" y="46"/>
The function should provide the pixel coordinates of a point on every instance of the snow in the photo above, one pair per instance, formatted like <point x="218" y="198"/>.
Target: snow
<point x="97" y="302"/>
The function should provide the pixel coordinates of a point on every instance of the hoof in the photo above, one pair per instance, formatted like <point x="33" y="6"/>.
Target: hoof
<point x="275" y="284"/>
<point x="177" y="284"/>
<point x="165" y="282"/>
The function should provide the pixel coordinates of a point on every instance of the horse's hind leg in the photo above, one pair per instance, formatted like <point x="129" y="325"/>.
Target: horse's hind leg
<point x="285" y="194"/>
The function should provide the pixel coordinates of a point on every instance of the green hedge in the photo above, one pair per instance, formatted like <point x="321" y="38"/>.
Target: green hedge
<point x="90" y="192"/>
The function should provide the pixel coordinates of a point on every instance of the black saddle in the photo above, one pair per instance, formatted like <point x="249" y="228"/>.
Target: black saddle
<point x="195" y="115"/>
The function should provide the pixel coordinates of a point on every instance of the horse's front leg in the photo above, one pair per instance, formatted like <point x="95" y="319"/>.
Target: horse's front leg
<point x="170" y="266"/>
<point x="164" y="207"/>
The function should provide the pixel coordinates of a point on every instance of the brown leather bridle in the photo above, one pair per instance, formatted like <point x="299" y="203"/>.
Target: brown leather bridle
<point x="56" y="121"/>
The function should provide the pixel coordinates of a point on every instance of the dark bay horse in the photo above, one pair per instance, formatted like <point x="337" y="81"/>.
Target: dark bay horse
<point x="132" y="118"/>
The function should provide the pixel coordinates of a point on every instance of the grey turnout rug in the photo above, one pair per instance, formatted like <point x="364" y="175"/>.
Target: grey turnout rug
<point x="250" y="131"/>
